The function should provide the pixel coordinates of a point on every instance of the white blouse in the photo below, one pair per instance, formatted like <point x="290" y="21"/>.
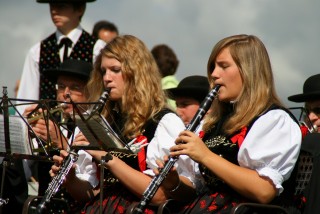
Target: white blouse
<point x="272" y="146"/>
<point x="165" y="135"/>
<point x="166" y="132"/>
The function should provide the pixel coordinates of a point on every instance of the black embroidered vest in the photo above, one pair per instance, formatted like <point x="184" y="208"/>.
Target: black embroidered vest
<point x="132" y="159"/>
<point x="223" y="146"/>
<point x="50" y="58"/>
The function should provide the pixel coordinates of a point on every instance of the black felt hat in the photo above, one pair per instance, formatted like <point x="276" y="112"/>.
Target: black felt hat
<point x="196" y="87"/>
<point x="77" y="68"/>
<point x="311" y="90"/>
<point x="64" y="1"/>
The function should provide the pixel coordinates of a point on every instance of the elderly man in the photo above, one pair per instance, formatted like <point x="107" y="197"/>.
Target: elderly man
<point x="72" y="76"/>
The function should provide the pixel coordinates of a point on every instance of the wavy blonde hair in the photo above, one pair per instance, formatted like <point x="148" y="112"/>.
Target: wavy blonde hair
<point x="143" y="95"/>
<point x="258" y="91"/>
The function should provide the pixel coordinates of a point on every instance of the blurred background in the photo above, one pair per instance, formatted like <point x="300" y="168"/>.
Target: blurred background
<point x="290" y="30"/>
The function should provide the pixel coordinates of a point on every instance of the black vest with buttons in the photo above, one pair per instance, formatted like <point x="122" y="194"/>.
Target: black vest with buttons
<point x="50" y="58"/>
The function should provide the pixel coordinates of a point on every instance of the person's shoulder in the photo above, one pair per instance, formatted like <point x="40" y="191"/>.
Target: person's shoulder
<point x="279" y="115"/>
<point x="169" y="82"/>
<point x="36" y="45"/>
<point x="171" y="117"/>
<point x="100" y="42"/>
<point x="281" y="110"/>
<point x="34" y="51"/>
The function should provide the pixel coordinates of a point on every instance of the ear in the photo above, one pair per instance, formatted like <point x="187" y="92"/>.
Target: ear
<point x="82" y="9"/>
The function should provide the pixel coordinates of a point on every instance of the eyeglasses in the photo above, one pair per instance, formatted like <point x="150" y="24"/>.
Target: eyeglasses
<point x="74" y="89"/>
<point x="315" y="110"/>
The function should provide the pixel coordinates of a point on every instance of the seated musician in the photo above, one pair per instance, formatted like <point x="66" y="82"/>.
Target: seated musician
<point x="251" y="142"/>
<point x="310" y="144"/>
<point x="311" y="99"/>
<point x="188" y="96"/>
<point x="72" y="77"/>
<point x="137" y="110"/>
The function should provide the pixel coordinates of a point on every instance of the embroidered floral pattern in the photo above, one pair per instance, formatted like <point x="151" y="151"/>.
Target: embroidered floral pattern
<point x="223" y="147"/>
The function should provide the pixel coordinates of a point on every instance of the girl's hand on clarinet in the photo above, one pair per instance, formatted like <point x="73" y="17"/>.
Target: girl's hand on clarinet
<point x="189" y="143"/>
<point x="172" y="178"/>
<point x="57" y="164"/>
<point x="58" y="161"/>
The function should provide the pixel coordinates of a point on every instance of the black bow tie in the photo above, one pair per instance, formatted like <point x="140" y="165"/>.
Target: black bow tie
<point x="67" y="43"/>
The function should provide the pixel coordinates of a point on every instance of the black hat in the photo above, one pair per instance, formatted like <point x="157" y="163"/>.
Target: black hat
<point x="72" y="67"/>
<point x="311" y="90"/>
<point x="64" y="1"/>
<point x="196" y="87"/>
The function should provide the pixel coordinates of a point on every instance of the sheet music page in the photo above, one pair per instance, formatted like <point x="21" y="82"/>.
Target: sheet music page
<point x="95" y="130"/>
<point x="18" y="135"/>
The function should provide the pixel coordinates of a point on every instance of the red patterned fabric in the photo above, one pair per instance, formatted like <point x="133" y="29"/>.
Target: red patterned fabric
<point x="142" y="153"/>
<point x="304" y="131"/>
<point x="201" y="134"/>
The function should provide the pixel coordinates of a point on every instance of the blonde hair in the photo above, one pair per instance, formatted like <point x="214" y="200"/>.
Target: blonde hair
<point x="143" y="95"/>
<point x="258" y="91"/>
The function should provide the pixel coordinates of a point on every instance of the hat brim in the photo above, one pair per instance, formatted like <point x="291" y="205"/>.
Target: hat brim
<point x="196" y="93"/>
<point x="65" y="1"/>
<point x="305" y="97"/>
<point x="66" y="72"/>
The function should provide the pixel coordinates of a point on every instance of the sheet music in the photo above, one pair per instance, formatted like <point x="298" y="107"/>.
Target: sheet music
<point x="98" y="135"/>
<point x="18" y="136"/>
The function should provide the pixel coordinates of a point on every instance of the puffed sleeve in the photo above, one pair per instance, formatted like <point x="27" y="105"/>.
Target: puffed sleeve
<point x="272" y="146"/>
<point x="86" y="169"/>
<point x="166" y="132"/>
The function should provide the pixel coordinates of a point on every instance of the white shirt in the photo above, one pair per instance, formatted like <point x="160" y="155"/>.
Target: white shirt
<point x="164" y="138"/>
<point x="166" y="132"/>
<point x="85" y="169"/>
<point x="272" y="146"/>
<point x="30" y="79"/>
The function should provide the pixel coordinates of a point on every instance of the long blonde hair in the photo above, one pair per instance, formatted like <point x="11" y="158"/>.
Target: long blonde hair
<point x="258" y="91"/>
<point x="143" y="95"/>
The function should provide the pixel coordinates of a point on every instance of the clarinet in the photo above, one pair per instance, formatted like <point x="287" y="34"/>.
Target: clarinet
<point x="157" y="180"/>
<point x="56" y="182"/>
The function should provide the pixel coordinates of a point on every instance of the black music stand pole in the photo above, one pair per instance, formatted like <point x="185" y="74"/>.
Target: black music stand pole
<point x="7" y="143"/>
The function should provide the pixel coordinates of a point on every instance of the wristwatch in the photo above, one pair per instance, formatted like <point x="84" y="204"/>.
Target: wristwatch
<point x="108" y="157"/>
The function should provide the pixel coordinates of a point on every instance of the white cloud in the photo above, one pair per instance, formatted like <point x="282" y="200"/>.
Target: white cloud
<point x="289" y="29"/>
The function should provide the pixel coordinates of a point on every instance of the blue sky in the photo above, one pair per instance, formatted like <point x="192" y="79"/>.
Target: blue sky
<point x="290" y="30"/>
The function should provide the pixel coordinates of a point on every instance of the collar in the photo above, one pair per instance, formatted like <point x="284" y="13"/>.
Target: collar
<point x="74" y="35"/>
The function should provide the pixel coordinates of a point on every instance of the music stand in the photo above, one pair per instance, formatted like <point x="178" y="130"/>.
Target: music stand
<point x="10" y="144"/>
<point x="15" y="136"/>
<point x="100" y="135"/>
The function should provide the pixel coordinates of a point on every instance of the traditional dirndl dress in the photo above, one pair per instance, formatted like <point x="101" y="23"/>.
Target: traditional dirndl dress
<point x="220" y="198"/>
<point x="217" y="197"/>
<point x="117" y="198"/>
